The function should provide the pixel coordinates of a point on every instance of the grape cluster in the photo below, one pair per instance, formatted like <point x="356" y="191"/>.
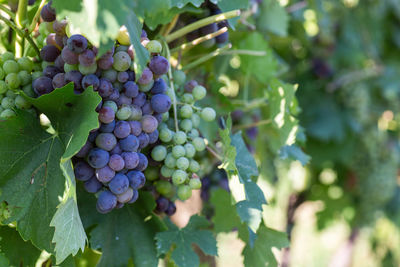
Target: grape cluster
<point x="174" y="170"/>
<point x="15" y="75"/>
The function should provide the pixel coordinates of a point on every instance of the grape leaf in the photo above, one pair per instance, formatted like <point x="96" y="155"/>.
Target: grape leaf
<point x="182" y="3"/>
<point x="69" y="234"/>
<point x="17" y="251"/>
<point x="261" y="255"/>
<point x="229" y="152"/>
<point x="273" y="18"/>
<point x="294" y="152"/>
<point x="182" y="240"/>
<point x="228" y="5"/>
<point x="3" y="260"/>
<point x="226" y="217"/>
<point x="128" y="232"/>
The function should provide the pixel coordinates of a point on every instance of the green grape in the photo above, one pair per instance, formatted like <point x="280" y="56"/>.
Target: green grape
<point x="46" y="63"/>
<point x="111" y="104"/>
<point x="196" y="120"/>
<point x="11" y="94"/>
<point x="124" y="112"/>
<point x="182" y="163"/>
<point x="163" y="126"/>
<point x="1" y="108"/>
<point x="10" y="66"/>
<point x="21" y="103"/>
<point x="151" y="174"/>
<point x="36" y="75"/>
<point x="208" y="114"/>
<point x="110" y="74"/>
<point x="190" y="150"/>
<point x="165" y="135"/>
<point x="28" y="90"/>
<point x="2" y="74"/>
<point x="179" y="138"/>
<point x="184" y="192"/>
<point x="69" y="67"/>
<point x="166" y="172"/>
<point x="13" y="81"/>
<point x="194" y="166"/>
<point x="122" y="48"/>
<point x="122" y="61"/>
<point x="186" y="111"/>
<point x="146" y="87"/>
<point x="194" y="133"/>
<point x="86" y="70"/>
<point x="179" y="177"/>
<point x="164" y="187"/>
<point x="195" y="183"/>
<point x="178" y="151"/>
<point x="186" y="125"/>
<point x="170" y="93"/>
<point x="154" y="46"/>
<point x="187" y="98"/>
<point x="6" y="56"/>
<point x="165" y="116"/>
<point x="170" y="161"/>
<point x="7" y="113"/>
<point x="179" y="77"/>
<point x="199" y="144"/>
<point x="199" y="92"/>
<point x="25" y="64"/>
<point x="7" y="103"/>
<point x="24" y="77"/>
<point x="159" y="153"/>
<point x="136" y="114"/>
<point x="3" y="87"/>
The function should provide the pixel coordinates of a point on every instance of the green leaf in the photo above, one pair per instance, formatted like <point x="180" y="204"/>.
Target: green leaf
<point x="294" y="152"/>
<point x="226" y="217"/>
<point x="3" y="260"/>
<point x="127" y="233"/>
<point x="229" y="152"/>
<point x="228" y="5"/>
<point x="182" y="240"/>
<point x="69" y="234"/>
<point x="14" y="249"/>
<point x="71" y="115"/>
<point x="261" y="255"/>
<point x="273" y="18"/>
<point x="182" y="3"/>
<point x="262" y="67"/>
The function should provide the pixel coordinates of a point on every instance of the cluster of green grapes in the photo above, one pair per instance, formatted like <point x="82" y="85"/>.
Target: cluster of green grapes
<point x="175" y="170"/>
<point x="15" y="75"/>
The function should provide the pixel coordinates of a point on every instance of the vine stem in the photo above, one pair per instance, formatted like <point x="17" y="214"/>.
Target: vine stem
<point x="187" y="46"/>
<point x="245" y="52"/>
<point x="214" y="153"/>
<point x="7" y="11"/>
<point x="207" y="57"/>
<point x="250" y="125"/>
<point x="20" y="20"/>
<point x="36" y="17"/>
<point x="21" y="33"/>
<point x="171" y="82"/>
<point x="170" y="26"/>
<point x="201" y="23"/>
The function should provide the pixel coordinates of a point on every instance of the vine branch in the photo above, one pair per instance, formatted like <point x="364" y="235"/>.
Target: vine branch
<point x="7" y="11"/>
<point x="36" y="17"/>
<point x="20" y="21"/>
<point x="207" y="57"/>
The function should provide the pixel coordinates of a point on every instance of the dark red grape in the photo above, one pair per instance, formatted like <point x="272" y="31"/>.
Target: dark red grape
<point x="119" y="184"/>
<point x="43" y="85"/>
<point x="159" y="87"/>
<point x="139" y="100"/>
<point x="59" y="27"/>
<point x="48" y="13"/>
<point x="84" y="150"/>
<point x="136" y="179"/>
<point x="105" y="63"/>
<point x="162" y="204"/>
<point x="98" y="158"/>
<point x="93" y="185"/>
<point x="69" y="57"/>
<point x="122" y="76"/>
<point x="51" y="71"/>
<point x="49" y="53"/>
<point x="143" y="140"/>
<point x="131" y="160"/>
<point x="105" y="88"/>
<point x="171" y="209"/>
<point x="106" y="115"/>
<point x="83" y="171"/>
<point x="59" y="62"/>
<point x="131" y="89"/>
<point x="153" y="137"/>
<point x="75" y="77"/>
<point x="136" y="127"/>
<point x="130" y="143"/>
<point x="147" y="76"/>
<point x="105" y="174"/>
<point x="146" y="109"/>
<point x="87" y="58"/>
<point x="77" y="43"/>
<point x="107" y="127"/>
<point x="159" y="65"/>
<point x="123" y="100"/>
<point x="59" y="80"/>
<point x="143" y="162"/>
<point x="160" y="103"/>
<point x="149" y="123"/>
<point x="122" y="129"/>
<point x="116" y="162"/>
<point x="106" y="202"/>
<point x="91" y="80"/>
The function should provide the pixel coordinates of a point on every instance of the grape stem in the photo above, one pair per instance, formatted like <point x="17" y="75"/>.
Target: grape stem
<point x="7" y="11"/>
<point x="201" y="23"/>
<point x="251" y="125"/>
<point x="171" y="82"/>
<point x="20" y="21"/>
<point x="189" y="45"/>
<point x="214" y="153"/>
<point x="22" y="33"/>
<point x="169" y="27"/>
<point x="206" y="57"/>
<point x="245" y="52"/>
<point x="36" y="17"/>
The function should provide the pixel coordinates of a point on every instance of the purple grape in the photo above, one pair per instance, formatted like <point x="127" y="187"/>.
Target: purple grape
<point x="116" y="150"/>
<point x="222" y="38"/>
<point x="90" y="80"/>
<point x="87" y="58"/>
<point x="92" y="136"/>
<point x="51" y="39"/>
<point x="49" y="53"/>
<point x="171" y="209"/>
<point x="139" y="100"/>
<point x="105" y="174"/>
<point x="106" y="141"/>
<point x="134" y="197"/>
<point x="48" y="13"/>
<point x="162" y="204"/>
<point x="106" y="202"/>
<point x="123" y="100"/>
<point x="98" y="158"/>
<point x="131" y="89"/>
<point x="159" y="87"/>
<point x="59" y="27"/>
<point x="31" y="2"/>
<point x="147" y="76"/>
<point x="114" y="96"/>
<point x="116" y="162"/>
<point x="160" y="103"/>
<point x="122" y="129"/>
<point x="84" y="150"/>
<point x="149" y="123"/>
<point x="136" y="127"/>
<point x="75" y="77"/>
<point x="158" y="117"/>
<point x="143" y="140"/>
<point x="130" y="143"/>
<point x="59" y="62"/>
<point x="93" y="185"/>
<point x="51" y="71"/>
<point x="132" y="76"/>
<point x="119" y="184"/>
<point x="77" y="43"/>
<point x="59" y="80"/>
<point x="69" y="57"/>
<point x="252" y="133"/>
<point x="136" y="179"/>
<point x="59" y="41"/>
<point x="119" y="205"/>
<point x="105" y="88"/>
<point x="153" y="137"/>
<point x="43" y="85"/>
<point x="131" y="160"/>
<point x="143" y="162"/>
<point x="159" y="65"/>
<point x="105" y="62"/>
<point x="83" y="171"/>
<point x="190" y="85"/>
<point x="123" y="76"/>
<point x="143" y="34"/>
<point x="106" y="115"/>
<point x="146" y="109"/>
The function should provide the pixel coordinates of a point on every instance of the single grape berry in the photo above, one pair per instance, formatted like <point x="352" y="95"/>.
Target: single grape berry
<point x="199" y="143"/>
<point x="199" y="92"/>
<point x="178" y="151"/>
<point x="122" y="129"/>
<point x="195" y="183"/>
<point x="159" y="65"/>
<point x="107" y="127"/>
<point x="131" y="89"/>
<point x="92" y="185"/>
<point x="182" y="163"/>
<point x="105" y="174"/>
<point x="159" y="87"/>
<point x="130" y="143"/>
<point x="171" y="209"/>
<point x="106" y="141"/>
<point x="136" y="179"/>
<point x="49" y="53"/>
<point x="83" y="171"/>
<point x="48" y="13"/>
<point x="122" y="61"/>
<point x="90" y="80"/>
<point x="154" y="46"/>
<point x="179" y="177"/>
<point x="119" y="184"/>
<point x="106" y="202"/>
<point x="98" y="158"/>
<point x="179" y="138"/>
<point x="159" y="153"/>
<point x="184" y="192"/>
<point x="77" y="43"/>
<point x="208" y="114"/>
<point x="143" y="162"/>
<point x="126" y="196"/>
<point x="106" y="115"/>
<point x="149" y="123"/>
<point x="116" y="162"/>
<point x="43" y="85"/>
<point x="131" y="160"/>
<point x="162" y="204"/>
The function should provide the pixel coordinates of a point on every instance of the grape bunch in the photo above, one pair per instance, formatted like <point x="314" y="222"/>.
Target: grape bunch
<point x="15" y="75"/>
<point x="174" y="167"/>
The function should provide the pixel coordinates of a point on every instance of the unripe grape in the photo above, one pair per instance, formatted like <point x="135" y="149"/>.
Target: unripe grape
<point x="208" y="114"/>
<point x="193" y="133"/>
<point x="2" y="74"/>
<point x="7" y="113"/>
<point x="179" y="77"/>
<point x="111" y="104"/>
<point x="164" y="187"/>
<point x="187" y="98"/>
<point x="186" y="125"/>
<point x="182" y="163"/>
<point x="3" y="87"/>
<point x="123" y="36"/>
<point x="170" y="161"/>
<point x="190" y="151"/>
<point x="124" y="112"/>
<point x="179" y="177"/>
<point x="166" y="135"/>
<point x="159" y="153"/>
<point x="179" y="138"/>
<point x="25" y="64"/>
<point x="196" y="120"/>
<point x="10" y="66"/>
<point x="7" y="103"/>
<point x="184" y="192"/>
<point x="154" y="46"/>
<point x="195" y="183"/>
<point x="151" y="174"/>
<point x="186" y="111"/>
<point x="166" y="172"/>
<point x="194" y="166"/>
<point x="13" y="81"/>
<point x="199" y="92"/>
<point x="21" y="103"/>
<point x="199" y="144"/>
